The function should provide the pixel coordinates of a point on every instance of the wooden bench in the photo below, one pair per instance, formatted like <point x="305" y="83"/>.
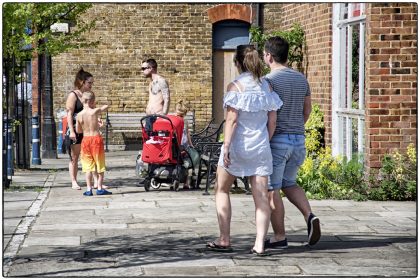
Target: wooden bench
<point x="130" y="122"/>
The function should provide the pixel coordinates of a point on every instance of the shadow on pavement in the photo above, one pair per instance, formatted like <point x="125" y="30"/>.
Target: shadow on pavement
<point x="164" y="248"/>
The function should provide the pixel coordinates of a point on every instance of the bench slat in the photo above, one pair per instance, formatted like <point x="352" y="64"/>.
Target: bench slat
<point x="130" y="122"/>
<point x="126" y="130"/>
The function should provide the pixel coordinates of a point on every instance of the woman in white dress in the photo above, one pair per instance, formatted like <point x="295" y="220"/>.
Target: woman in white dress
<point x="251" y="107"/>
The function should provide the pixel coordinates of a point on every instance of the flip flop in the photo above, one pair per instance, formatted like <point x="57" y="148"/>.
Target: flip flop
<point x="262" y="254"/>
<point x="218" y="248"/>
<point x="76" y="187"/>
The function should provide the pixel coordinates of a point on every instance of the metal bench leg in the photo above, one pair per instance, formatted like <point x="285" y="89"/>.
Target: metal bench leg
<point x="206" y="192"/>
<point x="246" y="183"/>
<point x="199" y="177"/>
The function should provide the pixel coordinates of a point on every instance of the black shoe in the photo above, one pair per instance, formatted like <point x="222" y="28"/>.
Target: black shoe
<point x="314" y="229"/>
<point x="282" y="244"/>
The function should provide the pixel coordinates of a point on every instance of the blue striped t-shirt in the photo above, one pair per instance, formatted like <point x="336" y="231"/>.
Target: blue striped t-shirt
<point x="292" y="87"/>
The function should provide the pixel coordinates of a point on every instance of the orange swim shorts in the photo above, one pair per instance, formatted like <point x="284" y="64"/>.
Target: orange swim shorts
<point x="92" y="154"/>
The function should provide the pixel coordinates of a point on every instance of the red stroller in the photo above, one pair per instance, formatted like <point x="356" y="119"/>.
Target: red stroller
<point x="161" y="137"/>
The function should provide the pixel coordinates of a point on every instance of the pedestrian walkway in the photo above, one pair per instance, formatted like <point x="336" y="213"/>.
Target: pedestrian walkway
<point x="162" y="233"/>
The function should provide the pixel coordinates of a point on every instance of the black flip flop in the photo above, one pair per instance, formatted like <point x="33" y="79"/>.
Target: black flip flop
<point x="262" y="254"/>
<point x="218" y="248"/>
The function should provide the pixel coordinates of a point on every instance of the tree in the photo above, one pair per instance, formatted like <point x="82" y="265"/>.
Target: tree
<point x="27" y="34"/>
<point x="27" y="28"/>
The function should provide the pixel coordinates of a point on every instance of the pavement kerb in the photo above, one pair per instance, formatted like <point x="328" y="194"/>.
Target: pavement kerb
<point x="21" y="231"/>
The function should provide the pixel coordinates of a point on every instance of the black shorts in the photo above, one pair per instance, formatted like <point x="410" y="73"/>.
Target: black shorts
<point x="79" y="138"/>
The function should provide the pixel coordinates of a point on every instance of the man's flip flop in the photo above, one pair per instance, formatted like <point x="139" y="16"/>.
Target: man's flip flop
<point x="219" y="248"/>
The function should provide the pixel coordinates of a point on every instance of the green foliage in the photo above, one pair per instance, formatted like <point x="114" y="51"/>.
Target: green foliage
<point x="19" y="18"/>
<point x="355" y="63"/>
<point x="323" y="176"/>
<point x="15" y="124"/>
<point x="295" y="37"/>
<point x="397" y="178"/>
<point x="314" y="131"/>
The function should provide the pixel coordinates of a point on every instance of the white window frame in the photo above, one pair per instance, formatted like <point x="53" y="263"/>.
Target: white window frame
<point x="342" y="134"/>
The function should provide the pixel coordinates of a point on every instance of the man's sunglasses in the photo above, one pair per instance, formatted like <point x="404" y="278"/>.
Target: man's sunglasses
<point x="144" y="68"/>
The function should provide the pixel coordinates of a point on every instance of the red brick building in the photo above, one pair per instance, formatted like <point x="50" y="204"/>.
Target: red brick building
<point x="360" y="60"/>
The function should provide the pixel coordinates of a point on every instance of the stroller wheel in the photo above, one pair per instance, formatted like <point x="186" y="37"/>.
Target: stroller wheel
<point x="146" y="185"/>
<point x="176" y="185"/>
<point x="155" y="184"/>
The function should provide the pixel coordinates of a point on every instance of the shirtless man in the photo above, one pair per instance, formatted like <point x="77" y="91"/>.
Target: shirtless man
<point x="92" y="146"/>
<point x="159" y="96"/>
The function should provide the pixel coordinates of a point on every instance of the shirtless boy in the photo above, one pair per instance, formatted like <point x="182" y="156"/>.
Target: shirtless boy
<point x="92" y="146"/>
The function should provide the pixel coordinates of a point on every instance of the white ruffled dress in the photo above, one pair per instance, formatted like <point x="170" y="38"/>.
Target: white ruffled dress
<point x="250" y="152"/>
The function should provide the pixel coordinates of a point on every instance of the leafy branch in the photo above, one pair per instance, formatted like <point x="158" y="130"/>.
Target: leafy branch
<point x="295" y="37"/>
<point x="27" y="28"/>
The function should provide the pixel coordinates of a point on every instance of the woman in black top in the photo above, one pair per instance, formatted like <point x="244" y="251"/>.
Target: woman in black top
<point x="82" y="83"/>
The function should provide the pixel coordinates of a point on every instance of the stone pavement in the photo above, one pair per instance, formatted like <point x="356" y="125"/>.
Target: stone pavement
<point x="59" y="233"/>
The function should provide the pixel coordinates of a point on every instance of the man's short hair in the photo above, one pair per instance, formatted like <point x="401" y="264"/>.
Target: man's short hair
<point x="278" y="48"/>
<point x="152" y="63"/>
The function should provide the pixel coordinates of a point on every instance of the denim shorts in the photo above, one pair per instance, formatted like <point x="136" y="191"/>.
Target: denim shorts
<point x="289" y="153"/>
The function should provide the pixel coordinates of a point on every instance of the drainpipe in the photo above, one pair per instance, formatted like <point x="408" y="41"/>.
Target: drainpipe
<point x="260" y="16"/>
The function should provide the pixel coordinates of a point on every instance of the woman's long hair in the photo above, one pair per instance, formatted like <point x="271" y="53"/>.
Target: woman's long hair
<point x="81" y="77"/>
<point x="249" y="61"/>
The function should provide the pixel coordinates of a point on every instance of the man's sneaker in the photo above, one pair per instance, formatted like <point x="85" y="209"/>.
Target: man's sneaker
<point x="282" y="244"/>
<point x="314" y="229"/>
<point x="103" y="192"/>
<point x="88" y="193"/>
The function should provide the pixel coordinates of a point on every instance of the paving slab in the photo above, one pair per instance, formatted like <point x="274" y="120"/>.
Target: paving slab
<point x="52" y="241"/>
<point x="162" y="233"/>
<point x="186" y="271"/>
<point x="356" y="271"/>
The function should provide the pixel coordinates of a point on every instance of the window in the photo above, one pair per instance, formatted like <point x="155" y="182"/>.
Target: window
<point x="348" y="114"/>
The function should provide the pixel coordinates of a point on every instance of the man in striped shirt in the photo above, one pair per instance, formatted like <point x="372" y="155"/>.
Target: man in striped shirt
<point x="288" y="142"/>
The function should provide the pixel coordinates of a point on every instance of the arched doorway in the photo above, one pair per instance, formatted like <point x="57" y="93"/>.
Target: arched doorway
<point x="227" y="35"/>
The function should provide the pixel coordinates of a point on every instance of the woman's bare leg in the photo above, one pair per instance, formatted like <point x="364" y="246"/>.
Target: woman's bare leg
<point x="262" y="209"/>
<point x="73" y="168"/>
<point x="224" y="182"/>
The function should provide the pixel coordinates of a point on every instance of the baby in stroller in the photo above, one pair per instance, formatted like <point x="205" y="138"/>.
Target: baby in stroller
<point x="162" y="151"/>
<point x="189" y="155"/>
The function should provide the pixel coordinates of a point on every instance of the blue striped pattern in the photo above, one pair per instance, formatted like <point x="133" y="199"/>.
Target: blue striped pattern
<point x="292" y="87"/>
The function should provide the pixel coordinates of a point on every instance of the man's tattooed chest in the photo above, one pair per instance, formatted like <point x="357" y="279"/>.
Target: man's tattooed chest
<point x="155" y="88"/>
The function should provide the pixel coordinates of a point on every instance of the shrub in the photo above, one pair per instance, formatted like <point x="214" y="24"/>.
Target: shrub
<point x="397" y="178"/>
<point x="324" y="176"/>
<point x="314" y="131"/>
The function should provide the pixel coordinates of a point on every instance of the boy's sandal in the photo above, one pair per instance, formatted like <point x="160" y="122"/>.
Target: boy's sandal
<point x="218" y="248"/>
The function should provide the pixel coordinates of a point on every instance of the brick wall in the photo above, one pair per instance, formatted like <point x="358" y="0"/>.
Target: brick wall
<point x="315" y="20"/>
<point x="391" y="79"/>
<point x="178" y="36"/>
